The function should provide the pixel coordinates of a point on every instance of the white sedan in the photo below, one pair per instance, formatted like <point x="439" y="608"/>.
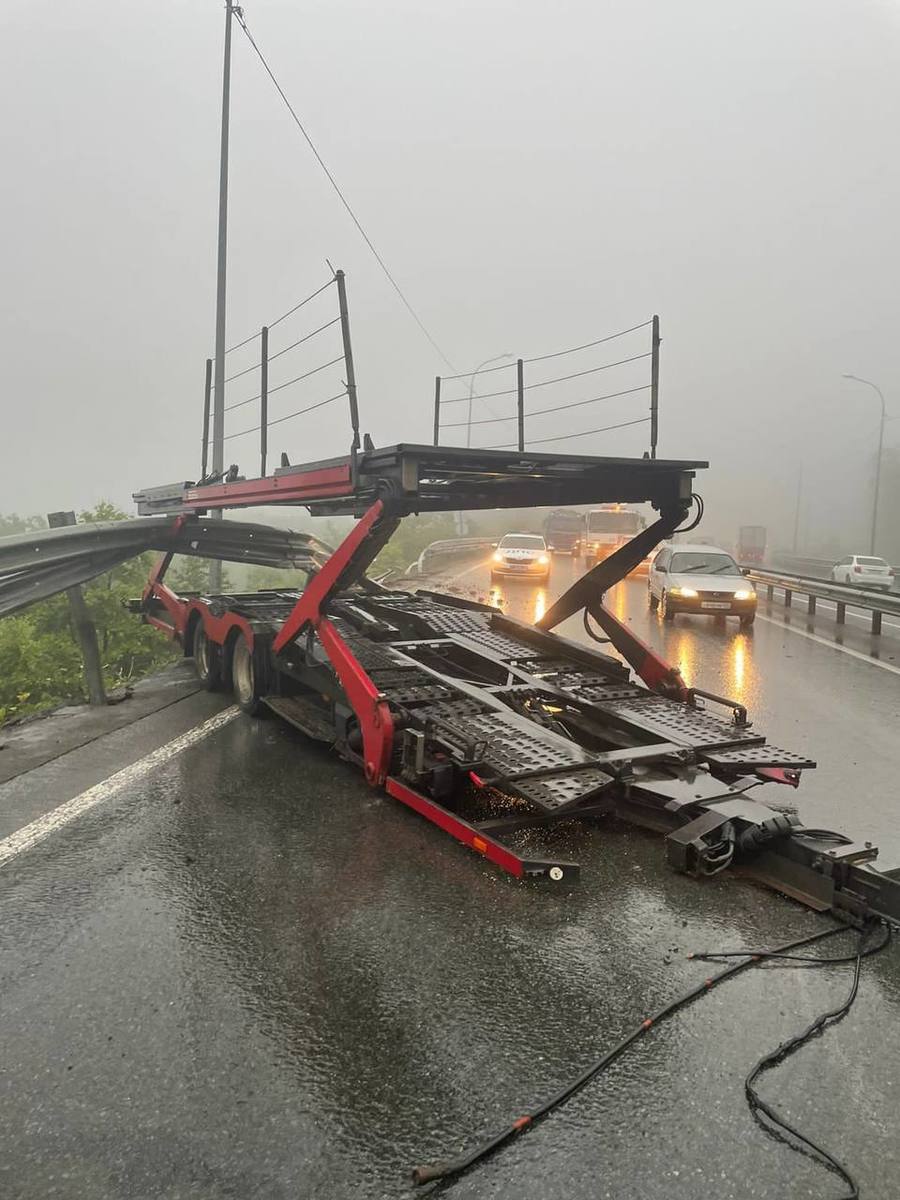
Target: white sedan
<point x="864" y="571"/>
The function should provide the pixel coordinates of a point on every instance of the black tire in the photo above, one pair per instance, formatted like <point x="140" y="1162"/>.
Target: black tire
<point x="249" y="676"/>
<point x="652" y="600"/>
<point x="664" y="611"/>
<point x="207" y="659"/>
<point x="747" y="621"/>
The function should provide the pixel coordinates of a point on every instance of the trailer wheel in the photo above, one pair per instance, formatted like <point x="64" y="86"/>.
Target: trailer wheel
<point x="207" y="659"/>
<point x="248" y="676"/>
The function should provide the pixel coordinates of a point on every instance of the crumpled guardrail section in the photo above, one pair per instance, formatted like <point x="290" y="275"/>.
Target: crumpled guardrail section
<point x="35" y="566"/>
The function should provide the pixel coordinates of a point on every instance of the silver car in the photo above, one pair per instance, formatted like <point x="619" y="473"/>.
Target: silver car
<point x="700" y="579"/>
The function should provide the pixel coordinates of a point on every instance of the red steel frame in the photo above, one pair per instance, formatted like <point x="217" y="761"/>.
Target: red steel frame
<point x="369" y="705"/>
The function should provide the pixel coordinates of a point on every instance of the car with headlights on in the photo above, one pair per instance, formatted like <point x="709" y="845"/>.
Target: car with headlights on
<point x="521" y="556"/>
<point x="700" y="579"/>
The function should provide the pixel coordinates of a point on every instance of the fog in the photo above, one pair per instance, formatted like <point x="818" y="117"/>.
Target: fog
<point x="535" y="175"/>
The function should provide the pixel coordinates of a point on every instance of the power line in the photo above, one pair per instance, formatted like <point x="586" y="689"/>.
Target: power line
<point x="568" y="436"/>
<point x="331" y="179"/>
<point x="540" y="412"/>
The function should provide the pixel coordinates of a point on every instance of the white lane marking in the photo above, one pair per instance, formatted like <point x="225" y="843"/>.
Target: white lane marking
<point x="814" y="637"/>
<point x="36" y="831"/>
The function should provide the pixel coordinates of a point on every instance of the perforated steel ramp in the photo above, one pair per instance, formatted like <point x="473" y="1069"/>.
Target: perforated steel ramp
<point x="680" y="723"/>
<point x="751" y="757"/>
<point x="511" y="745"/>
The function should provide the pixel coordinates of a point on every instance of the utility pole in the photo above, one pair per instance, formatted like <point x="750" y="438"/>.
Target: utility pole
<point x="218" y="446"/>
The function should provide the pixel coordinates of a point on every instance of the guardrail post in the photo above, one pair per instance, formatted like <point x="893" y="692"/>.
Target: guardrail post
<point x="770" y="592"/>
<point x="437" y="410"/>
<point x="85" y="629"/>
<point x="841" y="614"/>
<point x="876" y="622"/>
<point x="788" y="597"/>
<point x="811" y="605"/>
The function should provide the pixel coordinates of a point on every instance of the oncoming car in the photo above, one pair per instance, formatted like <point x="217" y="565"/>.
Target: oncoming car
<point x="700" y="579"/>
<point x="865" y="571"/>
<point x="523" y="555"/>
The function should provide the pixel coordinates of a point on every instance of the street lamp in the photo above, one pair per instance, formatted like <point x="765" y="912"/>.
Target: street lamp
<point x="877" y="389"/>
<point x="487" y="362"/>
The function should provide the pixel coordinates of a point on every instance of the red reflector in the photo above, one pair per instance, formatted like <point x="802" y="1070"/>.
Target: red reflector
<point x="480" y="845"/>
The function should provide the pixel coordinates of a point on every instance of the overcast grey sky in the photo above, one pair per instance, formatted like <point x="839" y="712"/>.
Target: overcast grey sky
<point x="535" y="174"/>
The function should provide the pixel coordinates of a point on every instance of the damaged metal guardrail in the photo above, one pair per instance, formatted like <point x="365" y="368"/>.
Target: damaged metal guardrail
<point x="37" y="565"/>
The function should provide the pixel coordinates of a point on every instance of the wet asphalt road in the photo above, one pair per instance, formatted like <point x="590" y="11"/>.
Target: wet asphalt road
<point x="248" y="975"/>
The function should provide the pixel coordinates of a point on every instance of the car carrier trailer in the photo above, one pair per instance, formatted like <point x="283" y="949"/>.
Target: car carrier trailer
<point x="481" y="723"/>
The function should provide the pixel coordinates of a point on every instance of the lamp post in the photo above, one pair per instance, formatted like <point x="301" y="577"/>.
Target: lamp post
<point x="487" y="362"/>
<point x="876" y="389"/>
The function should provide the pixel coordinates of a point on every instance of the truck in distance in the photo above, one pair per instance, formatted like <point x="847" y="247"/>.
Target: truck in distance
<point x="564" y="531"/>
<point x="609" y="528"/>
<point x="751" y="547"/>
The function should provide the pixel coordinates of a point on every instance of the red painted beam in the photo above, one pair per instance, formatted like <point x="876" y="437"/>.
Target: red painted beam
<point x="492" y="850"/>
<point x="323" y="483"/>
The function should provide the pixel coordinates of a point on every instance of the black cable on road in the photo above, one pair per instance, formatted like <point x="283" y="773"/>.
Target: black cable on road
<point x="340" y="195"/>
<point x="456" y="1166"/>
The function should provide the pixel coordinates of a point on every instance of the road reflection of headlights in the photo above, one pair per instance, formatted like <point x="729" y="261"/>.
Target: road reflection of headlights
<point x="744" y="594"/>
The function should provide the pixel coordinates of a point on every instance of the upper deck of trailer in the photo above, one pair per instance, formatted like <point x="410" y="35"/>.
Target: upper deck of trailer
<point x="439" y="478"/>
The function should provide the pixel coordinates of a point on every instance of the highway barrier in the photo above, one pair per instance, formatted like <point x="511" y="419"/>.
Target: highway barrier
<point x="436" y="554"/>
<point x="841" y="595"/>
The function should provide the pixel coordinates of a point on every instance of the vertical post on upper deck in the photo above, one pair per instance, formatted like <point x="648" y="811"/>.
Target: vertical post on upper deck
<point x="348" y="365"/>
<point x="520" y="400"/>
<point x="654" y="386"/>
<point x="263" y="398"/>
<point x="437" y="410"/>
<point x="207" y="392"/>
